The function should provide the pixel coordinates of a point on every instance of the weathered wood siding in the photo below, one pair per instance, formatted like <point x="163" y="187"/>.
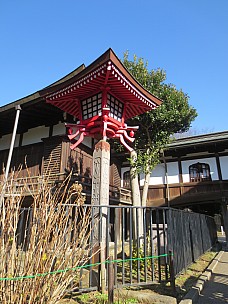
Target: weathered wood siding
<point x="114" y="173"/>
<point x="53" y="159"/>
<point x="25" y="160"/>
<point x="80" y="160"/>
<point x="52" y="156"/>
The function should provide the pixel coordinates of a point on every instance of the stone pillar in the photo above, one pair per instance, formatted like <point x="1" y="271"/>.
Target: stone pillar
<point x="100" y="177"/>
<point x="100" y="197"/>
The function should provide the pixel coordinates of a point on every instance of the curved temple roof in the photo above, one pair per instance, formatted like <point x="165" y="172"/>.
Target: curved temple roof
<point x="105" y="72"/>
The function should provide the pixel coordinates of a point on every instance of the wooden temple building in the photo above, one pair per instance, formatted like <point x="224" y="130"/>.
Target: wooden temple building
<point x="42" y="148"/>
<point x="192" y="174"/>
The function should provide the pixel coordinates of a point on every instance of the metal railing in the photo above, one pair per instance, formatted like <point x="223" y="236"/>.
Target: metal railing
<point x="190" y="235"/>
<point x="141" y="241"/>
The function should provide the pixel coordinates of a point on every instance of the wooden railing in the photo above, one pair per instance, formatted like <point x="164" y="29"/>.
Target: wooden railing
<point x="187" y="192"/>
<point x="119" y="194"/>
<point x="32" y="185"/>
<point x="157" y="194"/>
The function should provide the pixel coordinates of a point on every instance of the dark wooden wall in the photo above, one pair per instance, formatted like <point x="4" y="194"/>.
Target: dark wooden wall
<point x="54" y="156"/>
<point x="25" y="160"/>
<point x="114" y="173"/>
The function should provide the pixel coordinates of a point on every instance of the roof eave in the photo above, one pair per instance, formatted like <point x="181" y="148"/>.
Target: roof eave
<point x="109" y="55"/>
<point x="199" y="140"/>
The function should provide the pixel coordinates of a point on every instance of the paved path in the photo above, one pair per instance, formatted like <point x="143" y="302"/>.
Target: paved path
<point x="216" y="290"/>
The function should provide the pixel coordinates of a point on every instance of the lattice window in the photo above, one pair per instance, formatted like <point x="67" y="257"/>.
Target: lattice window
<point x="199" y="172"/>
<point x="91" y="106"/>
<point x="52" y="157"/>
<point x="116" y="107"/>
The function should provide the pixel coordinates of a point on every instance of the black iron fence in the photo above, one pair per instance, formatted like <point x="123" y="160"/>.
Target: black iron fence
<point x="190" y="235"/>
<point x="140" y="241"/>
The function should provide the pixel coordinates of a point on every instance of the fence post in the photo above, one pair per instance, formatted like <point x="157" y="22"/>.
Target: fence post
<point x="110" y="281"/>
<point x="171" y="270"/>
<point x="102" y="267"/>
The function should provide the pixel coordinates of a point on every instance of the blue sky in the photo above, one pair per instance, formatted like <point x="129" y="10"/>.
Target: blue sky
<point x="41" y="41"/>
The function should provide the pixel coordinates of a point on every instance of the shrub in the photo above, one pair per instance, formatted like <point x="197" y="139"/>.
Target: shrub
<point x="42" y="247"/>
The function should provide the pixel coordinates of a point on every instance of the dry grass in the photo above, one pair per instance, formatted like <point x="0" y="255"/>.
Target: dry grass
<point x="46" y="238"/>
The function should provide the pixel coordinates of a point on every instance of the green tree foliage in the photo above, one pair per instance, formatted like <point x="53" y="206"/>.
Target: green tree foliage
<point x="175" y="115"/>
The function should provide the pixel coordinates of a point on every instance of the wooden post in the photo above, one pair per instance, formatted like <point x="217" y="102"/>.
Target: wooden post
<point x="224" y="209"/>
<point x="18" y="109"/>
<point x="171" y="270"/>
<point x="103" y="267"/>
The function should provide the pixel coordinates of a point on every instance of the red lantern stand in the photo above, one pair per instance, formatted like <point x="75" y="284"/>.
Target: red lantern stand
<point x="102" y="96"/>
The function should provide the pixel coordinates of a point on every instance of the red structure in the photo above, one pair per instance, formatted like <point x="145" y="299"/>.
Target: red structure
<point x="102" y="97"/>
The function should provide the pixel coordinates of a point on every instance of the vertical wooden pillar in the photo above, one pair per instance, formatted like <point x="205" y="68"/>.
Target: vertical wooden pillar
<point x="180" y="175"/>
<point x="224" y="207"/>
<point x="167" y="198"/>
<point x="118" y="227"/>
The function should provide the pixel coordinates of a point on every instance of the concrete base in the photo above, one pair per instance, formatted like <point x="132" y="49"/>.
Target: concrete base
<point x="144" y="297"/>
<point x="193" y="295"/>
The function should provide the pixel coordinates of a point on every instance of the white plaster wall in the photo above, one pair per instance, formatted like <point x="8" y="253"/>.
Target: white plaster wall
<point x="59" y="129"/>
<point x="157" y="176"/>
<point x="35" y="135"/>
<point x="87" y="142"/>
<point x="224" y="166"/>
<point x="6" y="140"/>
<point x="173" y="173"/>
<point x="210" y="161"/>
